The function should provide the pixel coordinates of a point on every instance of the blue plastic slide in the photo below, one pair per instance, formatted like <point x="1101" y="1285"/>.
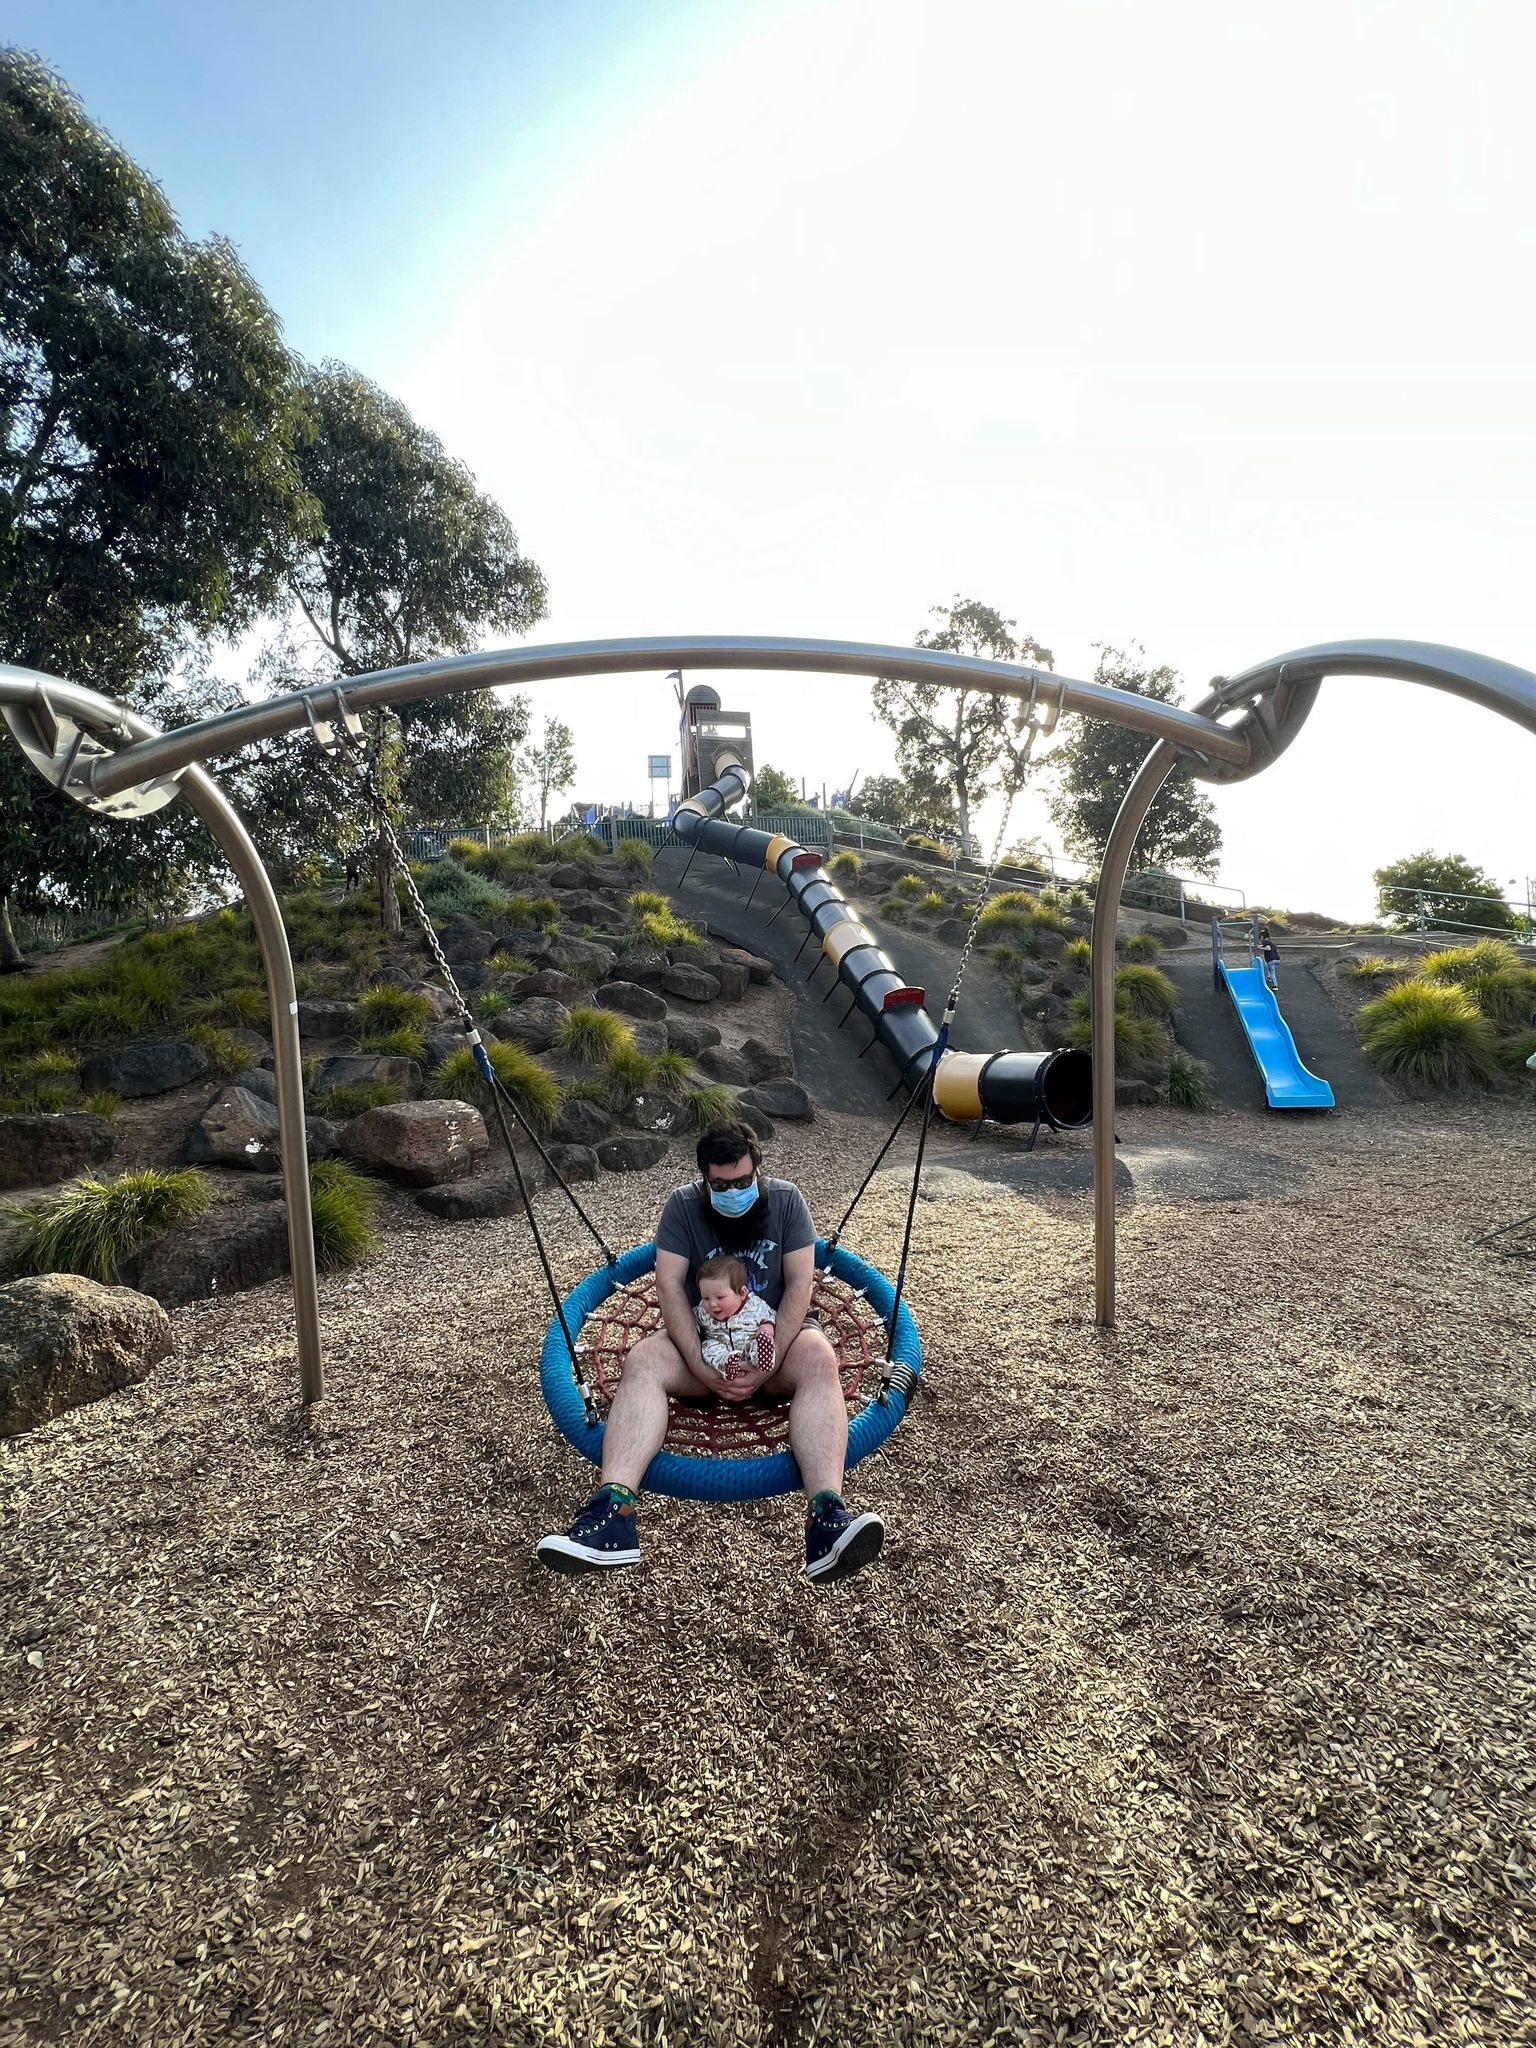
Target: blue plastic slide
<point x="1287" y="1083"/>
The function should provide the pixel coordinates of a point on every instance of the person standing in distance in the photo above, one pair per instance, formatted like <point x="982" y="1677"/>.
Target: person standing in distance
<point x="733" y="1207"/>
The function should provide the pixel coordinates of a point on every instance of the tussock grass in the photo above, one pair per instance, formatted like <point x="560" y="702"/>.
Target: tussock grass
<point x="1047" y="918"/>
<point x="671" y="1072"/>
<point x="705" y="1106"/>
<point x="344" y="1203"/>
<point x="1471" y="963"/>
<point x="226" y="1055"/>
<point x="531" y="1086"/>
<point x="666" y="928"/>
<point x="1078" y="955"/>
<point x="931" y="904"/>
<point x="1190" y="1083"/>
<point x="594" y="1036"/>
<point x="1432" y="1032"/>
<point x="627" y="1072"/>
<point x="1138" y="1038"/>
<point x="403" y="1043"/>
<point x="96" y="1226"/>
<point x="894" y="908"/>
<point x="1374" y="967"/>
<point x="355" y="1098"/>
<point x="1140" y="946"/>
<point x="910" y="885"/>
<point x="1145" y="991"/>
<point x="635" y="856"/>
<point x="389" y="1008"/>
<point x="845" y="868"/>
<point x="544" y="912"/>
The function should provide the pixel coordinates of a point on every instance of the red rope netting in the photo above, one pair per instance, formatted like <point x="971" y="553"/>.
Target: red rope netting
<point x="708" y="1428"/>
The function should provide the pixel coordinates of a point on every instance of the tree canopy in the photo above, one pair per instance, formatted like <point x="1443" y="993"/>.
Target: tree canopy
<point x="918" y="800"/>
<point x="773" y="790"/>
<point x="550" y="765"/>
<point x="409" y="561"/>
<point x="957" y="737"/>
<point x="148" y="487"/>
<point x="1451" y="885"/>
<point x="1092" y="767"/>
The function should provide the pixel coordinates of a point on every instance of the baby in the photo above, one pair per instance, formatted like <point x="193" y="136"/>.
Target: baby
<point x="735" y="1324"/>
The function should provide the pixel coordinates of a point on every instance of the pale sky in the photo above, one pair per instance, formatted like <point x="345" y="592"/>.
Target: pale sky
<point x="1199" y="326"/>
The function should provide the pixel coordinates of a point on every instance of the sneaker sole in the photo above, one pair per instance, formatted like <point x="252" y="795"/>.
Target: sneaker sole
<point x="560" y="1554"/>
<point x="859" y="1546"/>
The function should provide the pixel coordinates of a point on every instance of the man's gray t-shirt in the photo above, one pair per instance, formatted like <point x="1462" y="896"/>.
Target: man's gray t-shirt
<point x="690" y="1228"/>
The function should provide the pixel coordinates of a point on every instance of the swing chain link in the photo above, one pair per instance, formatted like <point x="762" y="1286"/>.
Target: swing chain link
<point x="1038" y="721"/>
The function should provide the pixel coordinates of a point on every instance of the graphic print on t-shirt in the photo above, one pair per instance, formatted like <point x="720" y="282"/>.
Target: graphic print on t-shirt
<point x="755" y="1260"/>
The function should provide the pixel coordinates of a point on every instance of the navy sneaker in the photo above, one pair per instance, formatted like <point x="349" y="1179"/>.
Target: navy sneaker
<point x="838" y="1543"/>
<point x="604" y="1534"/>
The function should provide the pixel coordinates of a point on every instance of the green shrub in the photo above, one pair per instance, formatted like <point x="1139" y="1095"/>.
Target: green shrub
<point x="671" y="1071"/>
<point x="153" y="984"/>
<point x="96" y="1226"/>
<point x="102" y="1103"/>
<point x="910" y="885"/>
<point x="1077" y="899"/>
<point x="1376" y="967"/>
<point x="931" y="904"/>
<point x="1138" y="1039"/>
<point x="1515" y="1050"/>
<point x="1145" y="991"/>
<point x="894" y="908"/>
<point x="1471" y="963"/>
<point x="1140" y="946"/>
<point x="1078" y="955"/>
<point x="388" y="1008"/>
<point x="665" y="928"/>
<point x="100" y="1014"/>
<point x="244" y="1005"/>
<point x="492" y="1004"/>
<point x="583" y="847"/>
<point x="1432" y="1032"/>
<point x="594" y="1036"/>
<point x="507" y="864"/>
<point x="1190" y="1082"/>
<point x="355" y="1098"/>
<point x="469" y="853"/>
<point x="647" y="902"/>
<point x="531" y="1086"/>
<point x="634" y="856"/>
<point x="1506" y="1000"/>
<point x="845" y="867"/>
<point x="1004" y="958"/>
<point x="917" y="842"/>
<point x="225" y="1055"/>
<point x="502" y="962"/>
<point x="627" y="1072"/>
<point x="450" y="890"/>
<point x="544" y="912"/>
<point x="1045" y="917"/>
<point x="705" y="1106"/>
<point x="400" y="1044"/>
<point x="344" y="1204"/>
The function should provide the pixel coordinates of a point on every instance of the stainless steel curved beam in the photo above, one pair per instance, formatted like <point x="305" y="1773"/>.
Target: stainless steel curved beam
<point x="27" y="692"/>
<point x="151" y="761"/>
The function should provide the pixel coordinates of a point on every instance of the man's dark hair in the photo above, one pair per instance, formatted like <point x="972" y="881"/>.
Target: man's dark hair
<point x="724" y="1143"/>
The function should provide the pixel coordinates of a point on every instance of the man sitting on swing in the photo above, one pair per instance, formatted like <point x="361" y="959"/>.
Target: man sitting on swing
<point x="735" y="1209"/>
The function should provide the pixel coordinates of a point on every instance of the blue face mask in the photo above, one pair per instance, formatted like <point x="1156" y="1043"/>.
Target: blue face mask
<point x="733" y="1201"/>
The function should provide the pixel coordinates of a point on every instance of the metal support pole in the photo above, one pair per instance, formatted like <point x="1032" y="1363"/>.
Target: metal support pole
<point x="1149" y="779"/>
<point x="223" y="821"/>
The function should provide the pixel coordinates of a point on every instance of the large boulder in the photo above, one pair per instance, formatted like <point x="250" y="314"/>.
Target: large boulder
<point x="763" y="1063"/>
<point x="490" y="1192"/>
<point x="733" y="979"/>
<point x="524" y="942"/>
<point x="347" y="1069"/>
<point x="651" y="1110"/>
<point x="692" y="984"/>
<point x="322" y="1017"/>
<point x="228" y="1249"/>
<point x="630" y="998"/>
<point x="631" y="1152"/>
<point x="757" y="1121"/>
<point x="550" y="982"/>
<point x="721" y="1064"/>
<point x="690" y="1035"/>
<point x="780" y="1099"/>
<point x="581" y="955"/>
<point x="465" y="940"/>
<point x="238" y="1128"/>
<point x="568" y="874"/>
<point x="418" y="1144"/>
<point x="256" y="1045"/>
<point x="576" y="1162"/>
<point x="582" y="1123"/>
<point x="145" y="1069"/>
<point x="649" y="1034"/>
<point x="532" y="1022"/>
<point x="588" y="909"/>
<point x="646" y="965"/>
<point x="38" y="1149"/>
<point x="65" y="1340"/>
<point x="758" y="969"/>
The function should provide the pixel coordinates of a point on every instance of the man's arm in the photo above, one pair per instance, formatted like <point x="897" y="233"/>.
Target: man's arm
<point x="677" y="1315"/>
<point x="799" y="1276"/>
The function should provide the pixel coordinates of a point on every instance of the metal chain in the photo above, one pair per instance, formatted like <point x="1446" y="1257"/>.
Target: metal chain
<point x="1037" y="723"/>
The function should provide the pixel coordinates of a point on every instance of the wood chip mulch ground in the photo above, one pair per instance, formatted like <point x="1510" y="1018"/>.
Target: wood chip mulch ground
<point x="1191" y="1702"/>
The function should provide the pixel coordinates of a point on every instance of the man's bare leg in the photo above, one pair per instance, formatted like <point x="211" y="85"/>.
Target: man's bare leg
<point x="637" y="1420"/>
<point x="818" y="1414"/>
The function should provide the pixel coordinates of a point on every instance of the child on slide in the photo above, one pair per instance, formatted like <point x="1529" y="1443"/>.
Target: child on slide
<point x="736" y="1326"/>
